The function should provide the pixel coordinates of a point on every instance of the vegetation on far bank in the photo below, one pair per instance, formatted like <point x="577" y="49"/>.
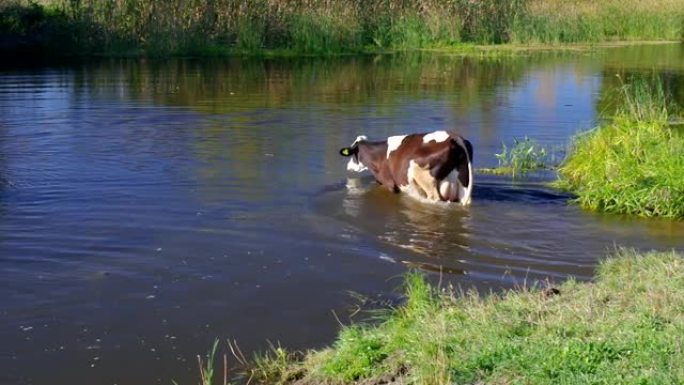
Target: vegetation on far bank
<point x="633" y="163"/>
<point x="217" y="27"/>
<point x="623" y="328"/>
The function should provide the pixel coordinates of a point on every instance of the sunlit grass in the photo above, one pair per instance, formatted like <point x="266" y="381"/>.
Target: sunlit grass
<point x="575" y="21"/>
<point x="621" y="329"/>
<point x="634" y="162"/>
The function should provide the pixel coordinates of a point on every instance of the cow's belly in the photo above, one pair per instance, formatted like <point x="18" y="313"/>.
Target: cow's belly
<point x="422" y="185"/>
<point x="450" y="188"/>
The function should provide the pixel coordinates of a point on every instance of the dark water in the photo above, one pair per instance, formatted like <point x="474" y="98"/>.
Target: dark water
<point x="149" y="207"/>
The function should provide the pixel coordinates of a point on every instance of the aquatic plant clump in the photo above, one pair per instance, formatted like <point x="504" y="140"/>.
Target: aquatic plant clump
<point x="620" y="329"/>
<point x="632" y="164"/>
<point x="525" y="156"/>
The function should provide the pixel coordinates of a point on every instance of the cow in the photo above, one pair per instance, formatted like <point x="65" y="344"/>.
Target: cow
<point x="436" y="166"/>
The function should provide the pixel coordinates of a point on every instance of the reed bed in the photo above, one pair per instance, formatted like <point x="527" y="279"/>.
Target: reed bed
<point x="216" y="27"/>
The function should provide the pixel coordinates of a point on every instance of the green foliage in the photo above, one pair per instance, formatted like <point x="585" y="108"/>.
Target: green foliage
<point x="644" y="99"/>
<point x="526" y="155"/>
<point x="277" y="366"/>
<point x="249" y="36"/>
<point x="490" y="21"/>
<point x="32" y="28"/>
<point x="322" y="34"/>
<point x="619" y="329"/>
<point x="207" y="368"/>
<point x="176" y="27"/>
<point x="558" y="21"/>
<point x="358" y="352"/>
<point x="634" y="162"/>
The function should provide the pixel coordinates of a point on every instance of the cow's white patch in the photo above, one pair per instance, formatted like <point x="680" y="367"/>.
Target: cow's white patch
<point x="359" y="139"/>
<point x="464" y="194"/>
<point x="410" y="188"/>
<point x="393" y="142"/>
<point x="437" y="136"/>
<point x="355" y="165"/>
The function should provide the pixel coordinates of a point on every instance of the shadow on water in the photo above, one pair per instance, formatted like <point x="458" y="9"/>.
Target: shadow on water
<point x="504" y="190"/>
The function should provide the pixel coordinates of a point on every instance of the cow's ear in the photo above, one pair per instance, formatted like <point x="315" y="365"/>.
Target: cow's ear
<point x="347" y="151"/>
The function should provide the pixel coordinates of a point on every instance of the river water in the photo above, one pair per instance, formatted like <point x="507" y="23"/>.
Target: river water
<point x="148" y="207"/>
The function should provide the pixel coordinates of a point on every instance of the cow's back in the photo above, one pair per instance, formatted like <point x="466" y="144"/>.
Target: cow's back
<point x="413" y="149"/>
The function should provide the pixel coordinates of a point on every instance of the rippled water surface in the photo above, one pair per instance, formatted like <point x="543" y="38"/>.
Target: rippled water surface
<point x="149" y="207"/>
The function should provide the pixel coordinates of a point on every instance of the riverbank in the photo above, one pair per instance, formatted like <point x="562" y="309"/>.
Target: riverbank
<point x="617" y="329"/>
<point x="289" y="27"/>
<point x="631" y="163"/>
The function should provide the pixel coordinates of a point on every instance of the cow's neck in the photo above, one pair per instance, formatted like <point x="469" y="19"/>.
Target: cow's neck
<point x="373" y="154"/>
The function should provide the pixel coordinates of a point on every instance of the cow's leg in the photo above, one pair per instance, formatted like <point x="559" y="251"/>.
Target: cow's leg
<point x="384" y="177"/>
<point x="424" y="182"/>
<point x="429" y="185"/>
<point x="416" y="188"/>
<point x="413" y="185"/>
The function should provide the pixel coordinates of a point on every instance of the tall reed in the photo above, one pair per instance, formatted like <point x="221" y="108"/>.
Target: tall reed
<point x="327" y="26"/>
<point x="574" y="21"/>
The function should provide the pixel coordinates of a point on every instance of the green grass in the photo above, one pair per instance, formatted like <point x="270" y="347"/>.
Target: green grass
<point x="525" y="156"/>
<point x="207" y="367"/>
<point x="256" y="27"/>
<point x="626" y="327"/>
<point x="634" y="162"/>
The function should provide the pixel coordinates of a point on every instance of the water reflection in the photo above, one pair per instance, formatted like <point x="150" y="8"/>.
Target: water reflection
<point x="612" y="95"/>
<point x="405" y="222"/>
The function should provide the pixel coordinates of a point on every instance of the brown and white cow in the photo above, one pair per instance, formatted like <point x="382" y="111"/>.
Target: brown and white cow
<point x="436" y="166"/>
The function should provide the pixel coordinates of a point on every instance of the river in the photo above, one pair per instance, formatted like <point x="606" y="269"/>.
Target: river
<point x="148" y="207"/>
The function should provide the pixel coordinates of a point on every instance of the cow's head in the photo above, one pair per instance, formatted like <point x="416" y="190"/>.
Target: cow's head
<point x="353" y="152"/>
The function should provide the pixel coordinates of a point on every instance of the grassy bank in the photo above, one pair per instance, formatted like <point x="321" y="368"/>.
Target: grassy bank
<point x="634" y="162"/>
<point x="130" y="27"/>
<point x="626" y="327"/>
